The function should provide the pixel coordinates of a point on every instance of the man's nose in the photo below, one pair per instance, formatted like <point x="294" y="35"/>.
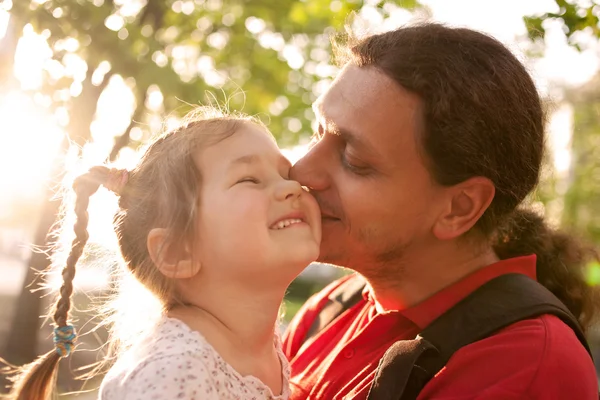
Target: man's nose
<point x="311" y="170"/>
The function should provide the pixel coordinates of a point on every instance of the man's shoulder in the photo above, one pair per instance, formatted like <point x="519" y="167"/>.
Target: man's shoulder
<point x="545" y="344"/>
<point x="563" y="356"/>
<point x="544" y="340"/>
<point x="530" y="358"/>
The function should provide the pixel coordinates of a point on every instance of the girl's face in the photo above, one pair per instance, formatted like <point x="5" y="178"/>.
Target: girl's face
<point x="255" y="224"/>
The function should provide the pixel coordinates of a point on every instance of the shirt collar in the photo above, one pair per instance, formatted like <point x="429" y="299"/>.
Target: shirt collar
<point x="431" y="308"/>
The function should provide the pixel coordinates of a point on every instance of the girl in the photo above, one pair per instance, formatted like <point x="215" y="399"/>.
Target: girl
<point x="211" y="224"/>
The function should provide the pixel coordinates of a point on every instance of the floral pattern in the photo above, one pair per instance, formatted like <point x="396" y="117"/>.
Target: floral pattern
<point x="176" y="362"/>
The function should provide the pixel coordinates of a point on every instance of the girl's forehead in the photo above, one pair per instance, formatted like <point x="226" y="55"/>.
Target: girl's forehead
<point x="248" y="138"/>
<point x="248" y="144"/>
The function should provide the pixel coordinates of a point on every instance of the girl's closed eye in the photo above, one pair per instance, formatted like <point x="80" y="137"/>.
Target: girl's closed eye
<point x="248" y="179"/>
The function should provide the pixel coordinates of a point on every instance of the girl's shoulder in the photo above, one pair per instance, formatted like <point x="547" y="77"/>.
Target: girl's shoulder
<point x="172" y="337"/>
<point x="166" y="360"/>
<point x="173" y="361"/>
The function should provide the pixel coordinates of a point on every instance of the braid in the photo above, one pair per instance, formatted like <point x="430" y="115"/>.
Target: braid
<point x="37" y="380"/>
<point x="84" y="190"/>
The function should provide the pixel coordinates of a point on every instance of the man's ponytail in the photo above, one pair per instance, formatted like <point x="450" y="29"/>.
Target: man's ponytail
<point x="561" y="260"/>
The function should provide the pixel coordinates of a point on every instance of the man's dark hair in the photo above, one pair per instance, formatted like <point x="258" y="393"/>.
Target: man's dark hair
<point x="482" y="116"/>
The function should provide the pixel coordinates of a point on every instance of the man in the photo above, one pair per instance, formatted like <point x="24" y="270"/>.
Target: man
<point x="427" y="141"/>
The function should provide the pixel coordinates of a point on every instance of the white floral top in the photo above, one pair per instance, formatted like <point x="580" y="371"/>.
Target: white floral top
<point x="176" y="362"/>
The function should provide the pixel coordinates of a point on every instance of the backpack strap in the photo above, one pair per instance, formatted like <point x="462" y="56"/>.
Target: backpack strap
<point x="408" y="365"/>
<point x="344" y="297"/>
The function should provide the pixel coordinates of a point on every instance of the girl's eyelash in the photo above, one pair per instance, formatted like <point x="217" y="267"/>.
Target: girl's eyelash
<point x="248" y="179"/>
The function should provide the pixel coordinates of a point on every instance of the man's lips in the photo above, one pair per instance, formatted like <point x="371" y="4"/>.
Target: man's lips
<point x="326" y="217"/>
<point x="328" y="213"/>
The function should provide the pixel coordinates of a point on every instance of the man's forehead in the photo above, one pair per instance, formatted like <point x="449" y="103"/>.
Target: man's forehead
<point x="353" y="87"/>
<point x="372" y="108"/>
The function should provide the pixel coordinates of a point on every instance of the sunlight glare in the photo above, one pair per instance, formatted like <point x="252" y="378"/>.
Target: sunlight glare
<point x="560" y="128"/>
<point x="32" y="53"/>
<point x="30" y="140"/>
<point x="295" y="153"/>
<point x="4" y="18"/>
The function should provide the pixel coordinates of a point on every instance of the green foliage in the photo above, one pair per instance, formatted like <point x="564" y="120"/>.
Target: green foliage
<point x="593" y="274"/>
<point x="302" y="288"/>
<point x="574" y="16"/>
<point x="291" y="308"/>
<point x="275" y="51"/>
<point x="581" y="202"/>
<point x="580" y="192"/>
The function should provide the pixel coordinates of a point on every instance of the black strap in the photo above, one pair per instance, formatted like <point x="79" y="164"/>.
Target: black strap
<point x="389" y="379"/>
<point x="408" y="365"/>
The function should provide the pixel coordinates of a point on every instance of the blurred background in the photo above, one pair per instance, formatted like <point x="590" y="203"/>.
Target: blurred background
<point x="84" y="82"/>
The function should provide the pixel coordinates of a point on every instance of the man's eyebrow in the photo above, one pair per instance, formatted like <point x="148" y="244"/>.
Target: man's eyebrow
<point x="350" y="137"/>
<point x="346" y="134"/>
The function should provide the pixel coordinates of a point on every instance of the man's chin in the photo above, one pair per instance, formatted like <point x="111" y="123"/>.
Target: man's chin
<point x="330" y="254"/>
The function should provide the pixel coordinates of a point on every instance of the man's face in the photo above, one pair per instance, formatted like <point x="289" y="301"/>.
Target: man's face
<point x="378" y="200"/>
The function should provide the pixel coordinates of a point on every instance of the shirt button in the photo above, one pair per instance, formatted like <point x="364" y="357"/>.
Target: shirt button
<point x="349" y="353"/>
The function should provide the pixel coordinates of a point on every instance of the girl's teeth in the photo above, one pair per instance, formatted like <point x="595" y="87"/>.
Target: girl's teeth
<point x="286" y="223"/>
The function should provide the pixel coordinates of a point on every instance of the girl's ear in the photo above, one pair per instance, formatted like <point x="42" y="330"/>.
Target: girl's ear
<point x="171" y="261"/>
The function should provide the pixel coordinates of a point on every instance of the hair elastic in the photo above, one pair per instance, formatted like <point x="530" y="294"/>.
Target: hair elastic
<point x="64" y="338"/>
<point x="116" y="180"/>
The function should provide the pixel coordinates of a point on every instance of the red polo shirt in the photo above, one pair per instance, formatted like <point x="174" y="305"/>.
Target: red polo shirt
<point x="538" y="358"/>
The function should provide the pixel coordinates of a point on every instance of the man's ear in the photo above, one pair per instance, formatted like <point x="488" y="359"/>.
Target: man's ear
<point x="467" y="202"/>
<point x="172" y="261"/>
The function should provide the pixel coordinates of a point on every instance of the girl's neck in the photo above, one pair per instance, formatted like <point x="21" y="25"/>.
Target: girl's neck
<point x="233" y="317"/>
<point x="240" y="323"/>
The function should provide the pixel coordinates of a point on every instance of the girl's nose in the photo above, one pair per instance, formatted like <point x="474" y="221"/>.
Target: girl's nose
<point x="288" y="189"/>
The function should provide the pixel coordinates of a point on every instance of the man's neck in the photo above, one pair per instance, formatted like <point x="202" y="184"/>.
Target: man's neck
<point x="426" y="273"/>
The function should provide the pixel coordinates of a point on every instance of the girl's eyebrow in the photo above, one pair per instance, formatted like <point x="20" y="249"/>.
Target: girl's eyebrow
<point x="250" y="159"/>
<point x="245" y="159"/>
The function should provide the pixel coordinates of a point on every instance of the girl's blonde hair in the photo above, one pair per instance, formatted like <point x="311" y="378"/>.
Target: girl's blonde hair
<point x="161" y="192"/>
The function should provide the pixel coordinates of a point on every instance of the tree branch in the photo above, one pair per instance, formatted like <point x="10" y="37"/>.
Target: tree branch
<point x="123" y="140"/>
